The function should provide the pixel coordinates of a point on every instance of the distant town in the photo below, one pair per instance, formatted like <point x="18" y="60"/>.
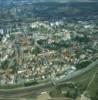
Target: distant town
<point x="37" y="49"/>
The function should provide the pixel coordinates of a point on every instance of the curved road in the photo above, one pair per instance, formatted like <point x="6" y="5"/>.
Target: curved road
<point x="30" y="90"/>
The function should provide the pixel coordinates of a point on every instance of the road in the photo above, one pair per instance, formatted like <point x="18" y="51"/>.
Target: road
<point x="32" y="90"/>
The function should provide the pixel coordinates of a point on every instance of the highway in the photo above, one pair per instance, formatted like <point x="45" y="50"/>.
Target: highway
<point x="32" y="90"/>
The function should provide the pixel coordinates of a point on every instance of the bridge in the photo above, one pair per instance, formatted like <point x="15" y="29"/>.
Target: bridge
<point x="20" y="91"/>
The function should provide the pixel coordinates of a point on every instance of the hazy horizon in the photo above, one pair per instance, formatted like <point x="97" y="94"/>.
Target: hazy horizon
<point x="51" y="0"/>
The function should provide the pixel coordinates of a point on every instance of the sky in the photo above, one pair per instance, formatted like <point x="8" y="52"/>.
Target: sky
<point x="64" y="0"/>
<point x="77" y="0"/>
<point x="49" y="0"/>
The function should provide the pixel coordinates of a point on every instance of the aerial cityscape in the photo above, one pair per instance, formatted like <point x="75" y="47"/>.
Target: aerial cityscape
<point x="48" y="50"/>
